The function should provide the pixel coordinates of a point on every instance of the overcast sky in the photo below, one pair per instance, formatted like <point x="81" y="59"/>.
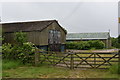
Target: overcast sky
<point x="77" y="17"/>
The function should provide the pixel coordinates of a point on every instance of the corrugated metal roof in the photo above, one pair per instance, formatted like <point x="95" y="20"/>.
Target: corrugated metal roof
<point x="79" y="36"/>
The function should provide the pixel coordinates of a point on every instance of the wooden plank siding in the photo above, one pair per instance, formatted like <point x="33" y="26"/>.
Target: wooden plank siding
<point x="37" y="37"/>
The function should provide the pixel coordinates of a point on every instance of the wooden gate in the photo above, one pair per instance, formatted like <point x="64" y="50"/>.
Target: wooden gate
<point x="80" y="60"/>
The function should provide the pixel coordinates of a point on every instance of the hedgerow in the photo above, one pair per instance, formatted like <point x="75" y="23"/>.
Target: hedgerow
<point x="85" y="45"/>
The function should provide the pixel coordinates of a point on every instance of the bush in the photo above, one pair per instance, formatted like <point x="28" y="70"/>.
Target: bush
<point x="116" y="42"/>
<point x="21" y="51"/>
<point x="96" y="44"/>
<point x="17" y="52"/>
<point x="25" y="52"/>
<point x="71" y="45"/>
<point x="20" y="37"/>
<point x="7" y="50"/>
<point x="85" y="45"/>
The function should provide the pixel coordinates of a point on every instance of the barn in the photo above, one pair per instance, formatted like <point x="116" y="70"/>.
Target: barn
<point x="102" y="36"/>
<point x="47" y="35"/>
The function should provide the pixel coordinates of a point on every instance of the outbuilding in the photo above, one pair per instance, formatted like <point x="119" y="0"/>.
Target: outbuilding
<point x="102" y="36"/>
<point x="47" y="35"/>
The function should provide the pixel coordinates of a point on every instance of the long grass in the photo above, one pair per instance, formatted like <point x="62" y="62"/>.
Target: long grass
<point x="114" y="69"/>
<point x="14" y="69"/>
<point x="44" y="71"/>
<point x="10" y="64"/>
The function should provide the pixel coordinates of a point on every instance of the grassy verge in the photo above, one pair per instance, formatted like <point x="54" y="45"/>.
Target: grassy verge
<point x="9" y="64"/>
<point x="13" y="69"/>
<point x="114" y="68"/>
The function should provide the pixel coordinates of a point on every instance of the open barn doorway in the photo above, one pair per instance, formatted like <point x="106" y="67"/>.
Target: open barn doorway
<point x="54" y="43"/>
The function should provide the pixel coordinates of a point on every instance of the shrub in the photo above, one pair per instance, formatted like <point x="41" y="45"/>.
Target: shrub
<point x="97" y="44"/>
<point x="22" y="50"/>
<point x="7" y="50"/>
<point x="26" y="51"/>
<point x="85" y="45"/>
<point x="20" y="37"/>
<point x="71" y="45"/>
<point x="116" y="42"/>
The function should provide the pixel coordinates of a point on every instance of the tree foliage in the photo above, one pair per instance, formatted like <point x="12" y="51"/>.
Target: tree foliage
<point x="22" y="50"/>
<point x="20" y="37"/>
<point x="116" y="42"/>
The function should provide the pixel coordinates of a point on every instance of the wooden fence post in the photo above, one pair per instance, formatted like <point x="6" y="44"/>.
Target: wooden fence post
<point x="37" y="57"/>
<point x="94" y="60"/>
<point x="72" y="61"/>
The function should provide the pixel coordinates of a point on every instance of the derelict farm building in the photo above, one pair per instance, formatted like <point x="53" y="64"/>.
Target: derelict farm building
<point x="44" y="34"/>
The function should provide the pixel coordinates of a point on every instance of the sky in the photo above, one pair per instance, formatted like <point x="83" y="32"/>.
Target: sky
<point x="75" y="17"/>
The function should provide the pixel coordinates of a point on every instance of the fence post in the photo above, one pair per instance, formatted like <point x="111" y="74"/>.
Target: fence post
<point x="94" y="60"/>
<point x="36" y="57"/>
<point x="72" y="61"/>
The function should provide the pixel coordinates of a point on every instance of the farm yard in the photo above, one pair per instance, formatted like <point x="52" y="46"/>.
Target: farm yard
<point x="50" y="56"/>
<point x="59" y="40"/>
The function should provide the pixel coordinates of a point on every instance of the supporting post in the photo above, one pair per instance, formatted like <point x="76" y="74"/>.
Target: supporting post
<point x="72" y="61"/>
<point x="53" y="54"/>
<point x="36" y="57"/>
<point x="94" y="60"/>
<point x="107" y="43"/>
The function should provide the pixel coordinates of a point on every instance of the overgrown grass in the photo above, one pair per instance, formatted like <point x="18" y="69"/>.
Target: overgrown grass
<point x="47" y="71"/>
<point x="55" y="72"/>
<point x="114" y="69"/>
<point x="10" y="64"/>
<point x="42" y="71"/>
<point x="14" y="69"/>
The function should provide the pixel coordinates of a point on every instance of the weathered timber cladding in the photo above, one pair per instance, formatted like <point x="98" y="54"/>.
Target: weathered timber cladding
<point x="37" y="32"/>
<point x="41" y="38"/>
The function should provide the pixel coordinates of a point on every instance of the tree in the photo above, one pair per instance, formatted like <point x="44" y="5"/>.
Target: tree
<point x="20" y="37"/>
